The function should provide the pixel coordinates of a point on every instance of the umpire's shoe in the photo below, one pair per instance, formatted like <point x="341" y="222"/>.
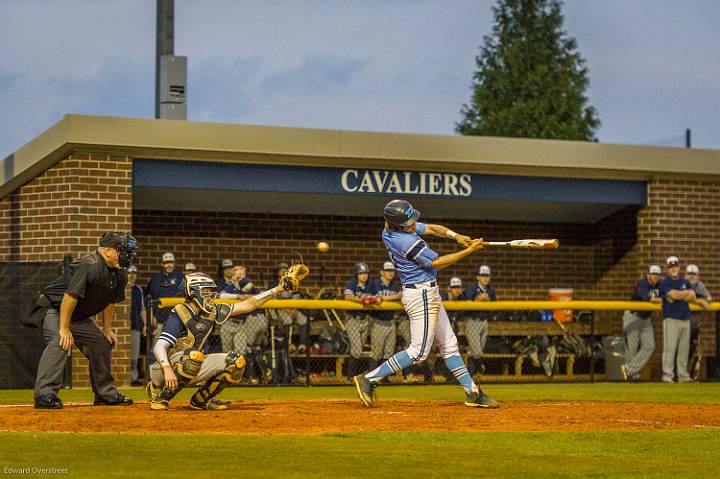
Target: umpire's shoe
<point x="119" y="400"/>
<point x="480" y="399"/>
<point x="48" y="401"/>
<point x="365" y="390"/>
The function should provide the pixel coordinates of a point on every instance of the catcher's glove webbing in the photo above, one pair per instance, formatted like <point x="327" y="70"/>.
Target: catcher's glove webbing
<point x="296" y="273"/>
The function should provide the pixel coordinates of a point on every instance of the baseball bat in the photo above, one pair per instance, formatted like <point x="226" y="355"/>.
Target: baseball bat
<point x="526" y="243"/>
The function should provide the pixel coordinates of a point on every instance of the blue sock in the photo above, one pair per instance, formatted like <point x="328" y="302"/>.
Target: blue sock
<point x="393" y="365"/>
<point x="456" y="366"/>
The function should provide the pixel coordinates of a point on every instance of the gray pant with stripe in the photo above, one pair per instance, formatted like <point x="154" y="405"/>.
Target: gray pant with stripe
<point x="639" y="342"/>
<point x="676" y="346"/>
<point x="382" y="339"/>
<point x="357" y="330"/>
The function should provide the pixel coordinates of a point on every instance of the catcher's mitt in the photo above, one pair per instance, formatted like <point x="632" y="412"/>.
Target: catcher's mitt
<point x="296" y="273"/>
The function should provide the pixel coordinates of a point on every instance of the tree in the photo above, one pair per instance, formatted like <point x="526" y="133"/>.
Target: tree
<point x="530" y="80"/>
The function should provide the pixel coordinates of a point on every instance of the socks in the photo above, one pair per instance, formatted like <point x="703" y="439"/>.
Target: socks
<point x="393" y="365"/>
<point x="457" y="367"/>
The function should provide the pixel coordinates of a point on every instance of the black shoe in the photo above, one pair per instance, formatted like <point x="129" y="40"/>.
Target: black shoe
<point x="119" y="400"/>
<point x="48" y="401"/>
<point x="480" y="399"/>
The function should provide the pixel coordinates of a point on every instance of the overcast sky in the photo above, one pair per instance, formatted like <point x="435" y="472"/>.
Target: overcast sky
<point x="380" y="65"/>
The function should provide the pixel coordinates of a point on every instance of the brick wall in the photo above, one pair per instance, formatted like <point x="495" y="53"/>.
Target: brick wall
<point x="64" y="211"/>
<point x="588" y="255"/>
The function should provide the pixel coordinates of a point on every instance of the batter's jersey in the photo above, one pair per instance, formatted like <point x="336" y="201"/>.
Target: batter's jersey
<point x="411" y="255"/>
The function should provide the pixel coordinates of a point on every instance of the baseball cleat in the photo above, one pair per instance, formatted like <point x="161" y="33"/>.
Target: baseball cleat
<point x="159" y="405"/>
<point x="150" y="391"/>
<point x="480" y="399"/>
<point x="211" y="405"/>
<point x="365" y="390"/>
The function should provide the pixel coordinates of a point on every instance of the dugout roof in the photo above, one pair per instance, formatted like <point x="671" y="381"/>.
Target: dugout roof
<point x="193" y="166"/>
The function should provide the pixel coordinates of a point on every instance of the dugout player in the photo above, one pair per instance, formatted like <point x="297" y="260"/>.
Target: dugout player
<point x="676" y="292"/>
<point x="164" y="284"/>
<point x="359" y="290"/>
<point x="225" y="273"/>
<point x="241" y="331"/>
<point x="89" y="286"/>
<point x="692" y="274"/>
<point x="476" y="324"/>
<point x="180" y="361"/>
<point x="138" y="323"/>
<point x="382" y="332"/>
<point x="639" y="333"/>
<point x="417" y="267"/>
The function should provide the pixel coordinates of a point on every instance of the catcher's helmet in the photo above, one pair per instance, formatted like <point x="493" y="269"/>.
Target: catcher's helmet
<point x="361" y="268"/>
<point x="195" y="283"/>
<point x="400" y="214"/>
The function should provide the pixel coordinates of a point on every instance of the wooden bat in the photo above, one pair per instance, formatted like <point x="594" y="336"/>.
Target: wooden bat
<point x="526" y="243"/>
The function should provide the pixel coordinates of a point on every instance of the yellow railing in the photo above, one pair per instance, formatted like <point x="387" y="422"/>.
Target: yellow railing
<point x="456" y="305"/>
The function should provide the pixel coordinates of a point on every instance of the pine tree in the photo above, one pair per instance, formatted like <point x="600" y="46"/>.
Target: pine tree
<point x="530" y="80"/>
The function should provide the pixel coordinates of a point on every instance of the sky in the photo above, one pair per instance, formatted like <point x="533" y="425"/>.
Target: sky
<point x="371" y="65"/>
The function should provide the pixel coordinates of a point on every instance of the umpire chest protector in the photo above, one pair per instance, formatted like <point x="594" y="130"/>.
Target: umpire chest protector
<point x="198" y="326"/>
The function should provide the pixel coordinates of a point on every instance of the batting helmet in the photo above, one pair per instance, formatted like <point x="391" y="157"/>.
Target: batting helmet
<point x="361" y="268"/>
<point x="400" y="214"/>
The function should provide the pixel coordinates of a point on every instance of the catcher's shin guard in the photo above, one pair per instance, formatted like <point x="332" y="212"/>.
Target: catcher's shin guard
<point x="185" y="370"/>
<point x="232" y="374"/>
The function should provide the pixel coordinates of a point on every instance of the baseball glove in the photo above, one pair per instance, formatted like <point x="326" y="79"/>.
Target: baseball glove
<point x="296" y="273"/>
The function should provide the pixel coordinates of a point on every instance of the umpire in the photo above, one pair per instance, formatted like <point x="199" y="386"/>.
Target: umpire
<point x="89" y="286"/>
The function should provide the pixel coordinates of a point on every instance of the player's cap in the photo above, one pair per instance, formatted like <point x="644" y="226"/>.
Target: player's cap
<point x="132" y="269"/>
<point x="190" y="267"/>
<point x="692" y="269"/>
<point x="654" y="269"/>
<point x="672" y="261"/>
<point x="484" y="270"/>
<point x="282" y="265"/>
<point x="388" y="266"/>
<point x="227" y="263"/>
<point x="168" y="258"/>
<point x="455" y="282"/>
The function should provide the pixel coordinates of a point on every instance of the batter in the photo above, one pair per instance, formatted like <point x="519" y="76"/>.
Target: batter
<point x="416" y="265"/>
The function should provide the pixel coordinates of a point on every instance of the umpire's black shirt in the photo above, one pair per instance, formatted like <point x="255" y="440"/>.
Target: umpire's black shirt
<point x="94" y="283"/>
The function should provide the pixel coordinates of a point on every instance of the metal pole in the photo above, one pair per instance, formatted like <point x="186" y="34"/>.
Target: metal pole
<point x="164" y="41"/>
<point x="148" y="336"/>
<point x="687" y="138"/>
<point x="592" y="348"/>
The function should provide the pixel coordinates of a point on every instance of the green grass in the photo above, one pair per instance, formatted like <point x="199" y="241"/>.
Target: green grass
<point x="691" y="454"/>
<point x="701" y="393"/>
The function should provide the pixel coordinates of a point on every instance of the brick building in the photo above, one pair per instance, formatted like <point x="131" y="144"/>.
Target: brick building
<point x="260" y="195"/>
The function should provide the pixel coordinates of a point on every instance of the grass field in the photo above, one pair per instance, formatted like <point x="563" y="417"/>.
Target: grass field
<point x="647" y="454"/>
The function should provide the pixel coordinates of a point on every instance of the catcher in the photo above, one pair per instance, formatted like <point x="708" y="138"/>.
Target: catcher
<point x="178" y="349"/>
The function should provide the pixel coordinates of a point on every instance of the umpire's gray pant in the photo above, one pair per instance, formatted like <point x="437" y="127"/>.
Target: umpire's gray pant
<point x="90" y="341"/>
<point x="676" y="346"/>
<point x="639" y="341"/>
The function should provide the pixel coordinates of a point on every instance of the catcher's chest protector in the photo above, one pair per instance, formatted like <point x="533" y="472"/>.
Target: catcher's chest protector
<point x="198" y="327"/>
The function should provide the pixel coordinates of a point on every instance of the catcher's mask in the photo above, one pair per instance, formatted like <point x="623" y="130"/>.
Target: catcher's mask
<point x="125" y="245"/>
<point x="400" y="214"/>
<point x="200" y="288"/>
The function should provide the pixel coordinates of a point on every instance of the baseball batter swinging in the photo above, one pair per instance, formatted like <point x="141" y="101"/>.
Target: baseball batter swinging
<point x="417" y="265"/>
<point x="178" y="349"/>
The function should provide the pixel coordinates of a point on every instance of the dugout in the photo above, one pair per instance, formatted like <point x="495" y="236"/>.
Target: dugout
<point x="261" y="194"/>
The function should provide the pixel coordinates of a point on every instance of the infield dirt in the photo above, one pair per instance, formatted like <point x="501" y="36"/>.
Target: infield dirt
<point x="338" y="416"/>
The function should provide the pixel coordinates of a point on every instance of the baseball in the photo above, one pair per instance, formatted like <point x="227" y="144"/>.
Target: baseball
<point x="323" y="247"/>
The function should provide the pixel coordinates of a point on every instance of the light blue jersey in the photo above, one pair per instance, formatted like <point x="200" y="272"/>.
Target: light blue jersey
<point x="411" y="255"/>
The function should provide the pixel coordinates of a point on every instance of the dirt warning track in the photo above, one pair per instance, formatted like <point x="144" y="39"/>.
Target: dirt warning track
<point x="323" y="416"/>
